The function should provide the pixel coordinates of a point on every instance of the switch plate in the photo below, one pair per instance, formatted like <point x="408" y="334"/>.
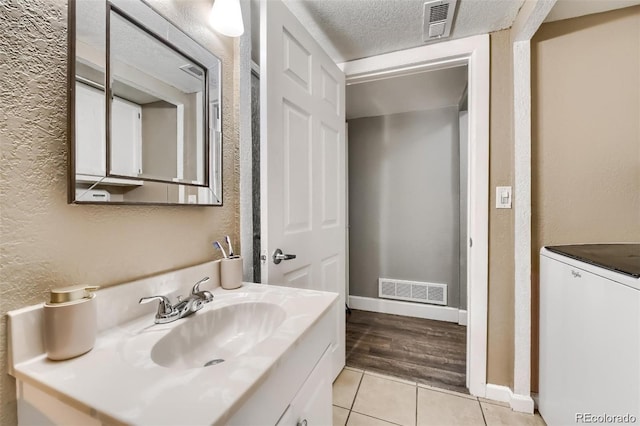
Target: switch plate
<point x="503" y="197"/>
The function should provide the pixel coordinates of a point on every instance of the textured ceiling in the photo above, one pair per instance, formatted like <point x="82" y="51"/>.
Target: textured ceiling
<point x="415" y="92"/>
<point x="352" y="29"/>
<point x="132" y="46"/>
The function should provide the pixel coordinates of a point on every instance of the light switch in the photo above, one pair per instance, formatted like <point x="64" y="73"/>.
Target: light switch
<point x="503" y="197"/>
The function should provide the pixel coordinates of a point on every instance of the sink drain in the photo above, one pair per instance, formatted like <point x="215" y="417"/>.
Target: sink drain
<point x="213" y="362"/>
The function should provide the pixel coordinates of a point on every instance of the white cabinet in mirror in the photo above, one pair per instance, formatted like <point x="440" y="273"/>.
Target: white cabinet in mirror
<point x="145" y="114"/>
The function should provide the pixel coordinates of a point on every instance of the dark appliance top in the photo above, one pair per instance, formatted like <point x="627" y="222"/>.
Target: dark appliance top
<point x="622" y="258"/>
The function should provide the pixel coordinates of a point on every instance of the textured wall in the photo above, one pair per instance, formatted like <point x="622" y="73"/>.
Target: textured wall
<point x="45" y="242"/>
<point x="586" y="136"/>
<point x="404" y="172"/>
<point x="501" y="262"/>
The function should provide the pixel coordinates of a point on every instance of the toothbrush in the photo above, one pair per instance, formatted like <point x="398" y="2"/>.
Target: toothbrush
<point x="219" y="247"/>
<point x="230" y="246"/>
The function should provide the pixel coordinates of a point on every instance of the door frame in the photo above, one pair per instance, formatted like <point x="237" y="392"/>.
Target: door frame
<point x="473" y="52"/>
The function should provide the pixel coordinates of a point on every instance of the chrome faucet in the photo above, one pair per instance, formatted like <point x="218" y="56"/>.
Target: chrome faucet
<point x="185" y="307"/>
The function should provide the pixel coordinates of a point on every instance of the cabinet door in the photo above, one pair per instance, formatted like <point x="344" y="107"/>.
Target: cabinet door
<point x="126" y="137"/>
<point x="312" y="404"/>
<point x="90" y="131"/>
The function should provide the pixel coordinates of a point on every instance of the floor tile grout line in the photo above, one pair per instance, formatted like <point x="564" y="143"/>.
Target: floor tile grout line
<point x="357" y="390"/>
<point x="354" y="398"/>
<point x="392" y="378"/>
<point x="484" y="419"/>
<point x="377" y="418"/>
<point x="497" y="403"/>
<point x="469" y="397"/>
<point x="401" y="379"/>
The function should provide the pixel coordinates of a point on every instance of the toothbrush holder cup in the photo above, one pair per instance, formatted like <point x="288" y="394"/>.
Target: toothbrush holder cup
<point x="231" y="273"/>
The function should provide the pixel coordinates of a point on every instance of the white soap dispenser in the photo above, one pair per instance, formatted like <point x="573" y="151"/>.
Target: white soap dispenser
<point x="70" y="322"/>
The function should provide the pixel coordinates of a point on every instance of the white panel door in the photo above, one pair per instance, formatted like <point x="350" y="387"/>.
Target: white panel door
<point x="303" y="176"/>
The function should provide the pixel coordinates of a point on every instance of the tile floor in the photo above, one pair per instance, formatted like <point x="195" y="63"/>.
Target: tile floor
<point x="363" y="398"/>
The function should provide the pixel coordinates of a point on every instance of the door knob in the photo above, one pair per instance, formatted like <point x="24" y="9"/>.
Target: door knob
<point x="279" y="256"/>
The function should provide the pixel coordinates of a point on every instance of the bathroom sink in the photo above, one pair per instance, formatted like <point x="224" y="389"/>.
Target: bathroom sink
<point x="272" y="340"/>
<point x="212" y="337"/>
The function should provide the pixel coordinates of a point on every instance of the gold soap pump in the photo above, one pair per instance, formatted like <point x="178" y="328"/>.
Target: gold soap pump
<point x="70" y="321"/>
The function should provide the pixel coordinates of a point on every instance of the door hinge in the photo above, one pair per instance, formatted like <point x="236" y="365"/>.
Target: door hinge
<point x="470" y="242"/>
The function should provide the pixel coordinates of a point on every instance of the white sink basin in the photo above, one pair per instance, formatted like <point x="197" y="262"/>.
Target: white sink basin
<point x="212" y="337"/>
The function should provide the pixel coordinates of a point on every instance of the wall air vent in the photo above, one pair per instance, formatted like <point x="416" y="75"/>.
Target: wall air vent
<point x="438" y="19"/>
<point x="412" y="291"/>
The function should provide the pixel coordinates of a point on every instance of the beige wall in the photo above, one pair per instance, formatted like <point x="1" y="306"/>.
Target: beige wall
<point x="45" y="242"/>
<point x="501" y="263"/>
<point x="586" y="136"/>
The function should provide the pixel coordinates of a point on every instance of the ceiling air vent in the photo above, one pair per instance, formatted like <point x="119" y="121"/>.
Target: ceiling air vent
<point x="438" y="17"/>
<point x="193" y="70"/>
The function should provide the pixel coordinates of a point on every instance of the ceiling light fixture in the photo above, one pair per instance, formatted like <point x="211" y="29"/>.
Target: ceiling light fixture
<point x="226" y="18"/>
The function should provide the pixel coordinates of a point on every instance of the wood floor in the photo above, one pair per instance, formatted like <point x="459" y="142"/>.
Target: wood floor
<point x="425" y="351"/>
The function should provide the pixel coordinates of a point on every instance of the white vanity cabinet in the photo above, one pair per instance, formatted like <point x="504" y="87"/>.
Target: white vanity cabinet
<point x="298" y="389"/>
<point x="312" y="403"/>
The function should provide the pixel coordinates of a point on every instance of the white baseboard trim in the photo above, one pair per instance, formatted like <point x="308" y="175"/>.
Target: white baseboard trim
<point x="462" y="317"/>
<point x="408" y="309"/>
<point x="520" y="403"/>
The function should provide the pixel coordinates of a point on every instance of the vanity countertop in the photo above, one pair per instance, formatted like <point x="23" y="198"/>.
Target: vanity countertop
<point x="118" y="382"/>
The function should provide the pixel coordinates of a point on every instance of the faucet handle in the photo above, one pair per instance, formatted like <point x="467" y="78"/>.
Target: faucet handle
<point x="205" y="295"/>
<point x="164" y="307"/>
<point x="196" y="286"/>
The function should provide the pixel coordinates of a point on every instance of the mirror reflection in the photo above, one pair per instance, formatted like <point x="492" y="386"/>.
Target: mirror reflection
<point x="155" y="138"/>
<point x="157" y="107"/>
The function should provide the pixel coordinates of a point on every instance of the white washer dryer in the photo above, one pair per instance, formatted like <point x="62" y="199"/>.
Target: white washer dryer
<point x="590" y="334"/>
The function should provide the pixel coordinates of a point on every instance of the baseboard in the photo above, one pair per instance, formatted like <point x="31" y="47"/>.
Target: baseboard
<point x="521" y="403"/>
<point x="462" y="317"/>
<point x="409" y="309"/>
<point x="534" y="396"/>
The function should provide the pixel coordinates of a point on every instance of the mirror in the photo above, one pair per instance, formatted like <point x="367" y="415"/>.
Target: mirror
<point x="145" y="123"/>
